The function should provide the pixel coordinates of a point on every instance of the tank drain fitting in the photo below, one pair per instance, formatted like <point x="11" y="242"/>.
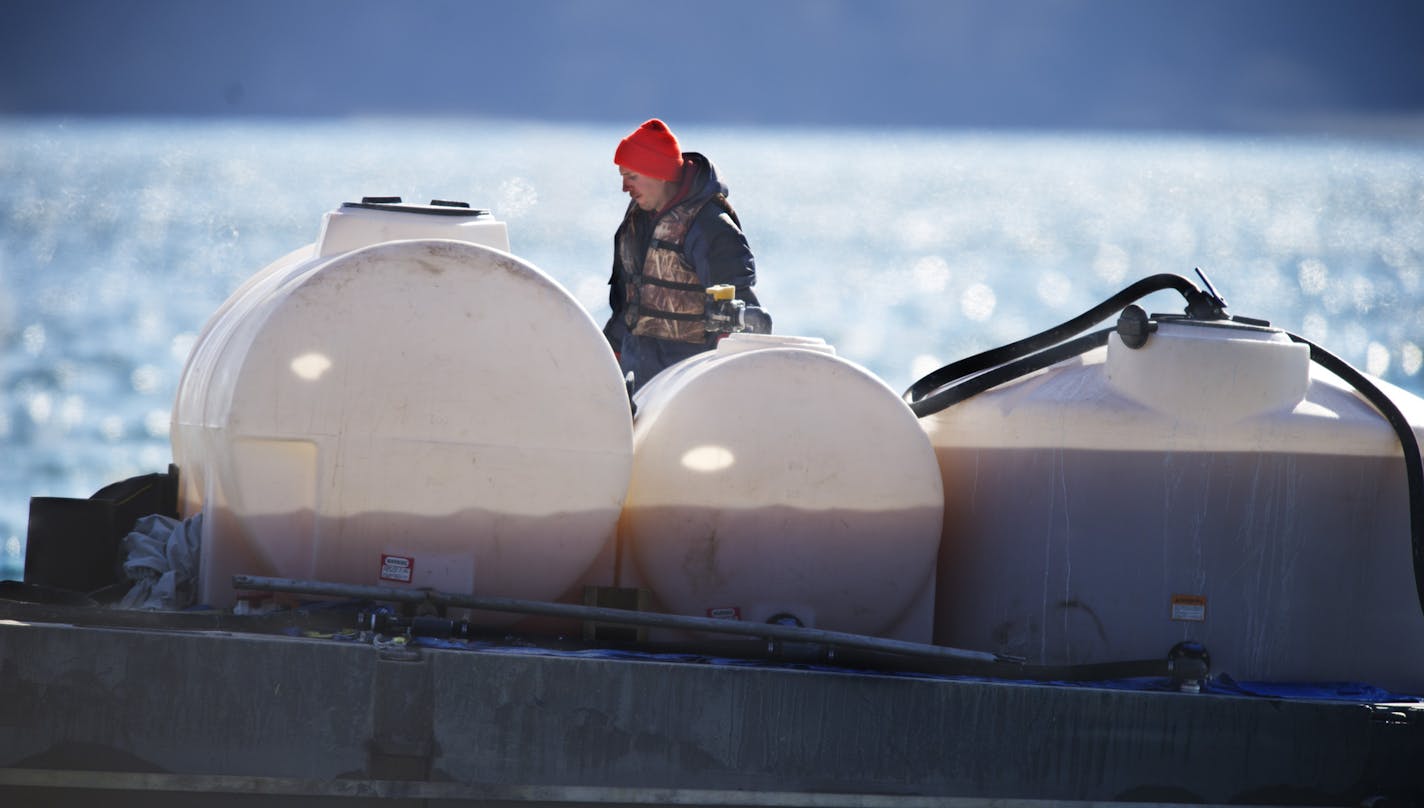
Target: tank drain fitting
<point x="1189" y="665"/>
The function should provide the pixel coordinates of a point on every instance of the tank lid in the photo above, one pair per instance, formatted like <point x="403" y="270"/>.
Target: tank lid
<point x="1210" y="376"/>
<point x="438" y="207"/>
<point x="387" y="218"/>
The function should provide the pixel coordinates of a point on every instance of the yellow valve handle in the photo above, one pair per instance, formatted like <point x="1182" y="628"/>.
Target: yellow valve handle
<point x="722" y="291"/>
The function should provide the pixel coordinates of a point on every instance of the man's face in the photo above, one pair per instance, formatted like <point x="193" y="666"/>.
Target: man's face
<point x="649" y="193"/>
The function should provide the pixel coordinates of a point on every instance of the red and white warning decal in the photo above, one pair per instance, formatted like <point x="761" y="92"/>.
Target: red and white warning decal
<point x="1189" y="608"/>
<point x="397" y="568"/>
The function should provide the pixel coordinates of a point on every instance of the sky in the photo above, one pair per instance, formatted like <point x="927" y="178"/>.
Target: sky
<point x="1277" y="65"/>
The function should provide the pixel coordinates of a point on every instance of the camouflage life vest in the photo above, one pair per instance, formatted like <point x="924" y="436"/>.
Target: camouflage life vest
<point x="665" y="297"/>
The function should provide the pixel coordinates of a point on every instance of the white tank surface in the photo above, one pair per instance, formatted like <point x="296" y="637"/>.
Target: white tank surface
<point x="423" y="412"/>
<point x="355" y="224"/>
<point x="773" y="480"/>
<point x="1212" y="486"/>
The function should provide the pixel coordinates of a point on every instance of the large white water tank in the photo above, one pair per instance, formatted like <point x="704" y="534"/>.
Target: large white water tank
<point x="419" y="412"/>
<point x="773" y="480"/>
<point x="1211" y="486"/>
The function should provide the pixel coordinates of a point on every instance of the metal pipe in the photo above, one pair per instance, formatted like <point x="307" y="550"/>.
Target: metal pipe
<point x="622" y="617"/>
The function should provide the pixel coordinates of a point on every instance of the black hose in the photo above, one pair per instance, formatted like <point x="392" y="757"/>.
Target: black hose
<point x="949" y="394"/>
<point x="1413" y="468"/>
<point x="925" y="396"/>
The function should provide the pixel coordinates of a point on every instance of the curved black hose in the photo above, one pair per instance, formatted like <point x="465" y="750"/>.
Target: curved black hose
<point x="947" y="395"/>
<point x="925" y="396"/>
<point x="1413" y="467"/>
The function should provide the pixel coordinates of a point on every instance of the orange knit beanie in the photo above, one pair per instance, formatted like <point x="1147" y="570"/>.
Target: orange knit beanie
<point x="652" y="151"/>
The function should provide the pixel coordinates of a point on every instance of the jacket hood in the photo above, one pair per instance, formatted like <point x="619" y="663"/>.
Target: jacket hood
<point x="705" y="182"/>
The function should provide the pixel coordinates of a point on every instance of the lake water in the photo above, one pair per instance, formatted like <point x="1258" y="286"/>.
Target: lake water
<point x="905" y="249"/>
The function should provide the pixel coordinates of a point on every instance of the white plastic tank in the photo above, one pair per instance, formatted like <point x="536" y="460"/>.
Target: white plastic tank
<point x="1213" y="486"/>
<point x="429" y="411"/>
<point x="773" y="480"/>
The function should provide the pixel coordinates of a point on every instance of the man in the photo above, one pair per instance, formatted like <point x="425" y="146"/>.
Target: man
<point x="678" y="237"/>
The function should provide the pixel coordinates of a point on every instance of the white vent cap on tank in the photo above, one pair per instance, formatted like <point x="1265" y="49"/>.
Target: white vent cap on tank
<point x="378" y="219"/>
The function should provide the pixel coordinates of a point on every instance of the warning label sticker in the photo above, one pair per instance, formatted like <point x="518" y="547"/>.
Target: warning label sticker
<point x="725" y="613"/>
<point x="1189" y="608"/>
<point x="397" y="568"/>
